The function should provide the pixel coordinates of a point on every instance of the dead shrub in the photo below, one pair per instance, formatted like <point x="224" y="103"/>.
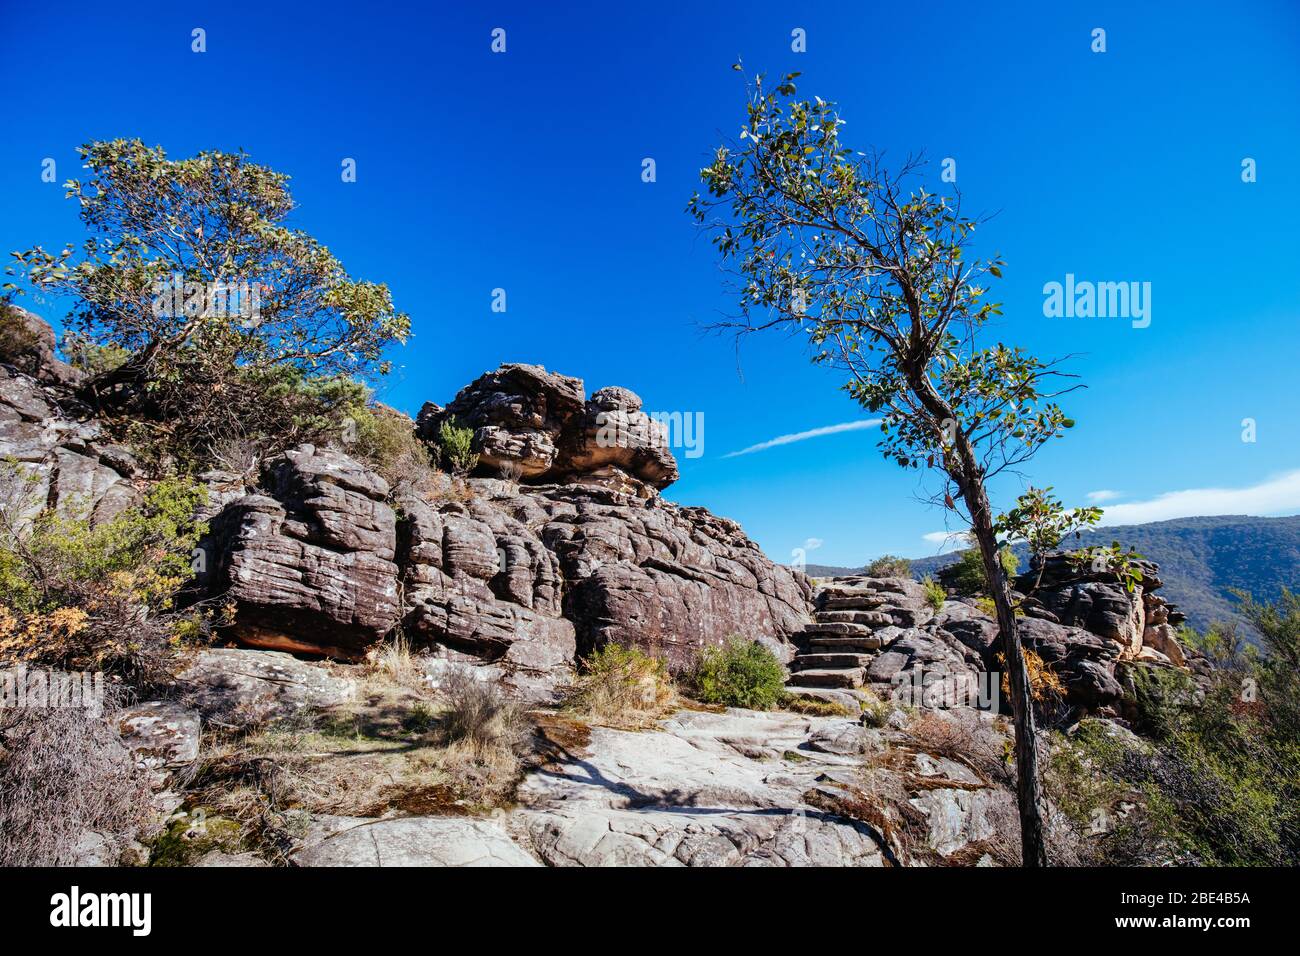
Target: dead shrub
<point x="483" y="736"/>
<point x="63" y="773"/>
<point x="622" y="687"/>
<point x="962" y="735"/>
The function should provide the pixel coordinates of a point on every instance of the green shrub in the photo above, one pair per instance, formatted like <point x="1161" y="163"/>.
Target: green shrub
<point x="935" y="593"/>
<point x="740" y="673"/>
<point x="457" y="444"/>
<point x="92" y="595"/>
<point x="1220" y="780"/>
<point x="967" y="575"/>
<point x="384" y="439"/>
<point x="799" y="704"/>
<point x="889" y="566"/>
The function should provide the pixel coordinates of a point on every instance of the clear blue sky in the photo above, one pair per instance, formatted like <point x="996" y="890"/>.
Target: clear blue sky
<point x="523" y="171"/>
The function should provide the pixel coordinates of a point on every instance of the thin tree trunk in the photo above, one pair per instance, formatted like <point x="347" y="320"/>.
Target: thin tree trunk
<point x="966" y="472"/>
<point x="1029" y="793"/>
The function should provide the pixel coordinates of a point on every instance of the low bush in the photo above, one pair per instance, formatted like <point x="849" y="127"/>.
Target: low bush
<point x="889" y="566"/>
<point x="739" y="673"/>
<point x="457" y="443"/>
<point x="935" y="593"/>
<point x="384" y="439"/>
<point x="78" y="595"/>
<point x="967" y="575"/>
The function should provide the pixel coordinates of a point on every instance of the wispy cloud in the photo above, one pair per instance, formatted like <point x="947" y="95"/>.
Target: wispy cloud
<point x="1105" y="494"/>
<point x="804" y="436"/>
<point x="943" y="537"/>
<point x="1275" y="496"/>
<point x="1268" y="497"/>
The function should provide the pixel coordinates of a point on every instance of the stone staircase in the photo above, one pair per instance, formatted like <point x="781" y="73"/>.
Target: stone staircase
<point x="854" y="618"/>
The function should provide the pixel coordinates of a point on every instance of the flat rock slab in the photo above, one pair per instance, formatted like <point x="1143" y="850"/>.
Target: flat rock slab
<point x="703" y="790"/>
<point x="236" y="686"/>
<point x="411" y="841"/>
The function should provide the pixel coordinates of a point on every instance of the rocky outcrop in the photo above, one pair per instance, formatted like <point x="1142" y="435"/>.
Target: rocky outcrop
<point x="162" y="736"/>
<point x="237" y="687"/>
<point x="79" y="472"/>
<point x="408" y="841"/>
<point x="743" y="788"/>
<point x="521" y="575"/>
<point x="309" y="565"/>
<point x="28" y="346"/>
<point x="883" y="634"/>
<point x="539" y="426"/>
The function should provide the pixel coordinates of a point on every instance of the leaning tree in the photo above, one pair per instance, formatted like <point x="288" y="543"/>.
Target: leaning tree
<point x="835" y="246"/>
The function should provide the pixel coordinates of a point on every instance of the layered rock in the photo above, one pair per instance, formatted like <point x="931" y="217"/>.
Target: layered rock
<point x="522" y="575"/>
<point x="309" y="566"/>
<point x="79" y="472"/>
<point x="882" y="633"/>
<point x="539" y="426"/>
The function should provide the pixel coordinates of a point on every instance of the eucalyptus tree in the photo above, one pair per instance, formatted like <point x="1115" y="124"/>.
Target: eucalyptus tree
<point x="875" y="272"/>
<point x="200" y="301"/>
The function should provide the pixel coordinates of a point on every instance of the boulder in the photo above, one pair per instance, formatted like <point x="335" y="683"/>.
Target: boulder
<point x="79" y="472"/>
<point x="162" y="736"/>
<point x="537" y="425"/>
<point x="521" y="416"/>
<point x="1084" y="661"/>
<point x="236" y="686"/>
<point x="701" y="790"/>
<point x="28" y="345"/>
<point x="310" y="566"/>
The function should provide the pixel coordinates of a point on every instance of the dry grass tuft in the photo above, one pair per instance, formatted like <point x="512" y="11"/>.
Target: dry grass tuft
<point x="622" y="687"/>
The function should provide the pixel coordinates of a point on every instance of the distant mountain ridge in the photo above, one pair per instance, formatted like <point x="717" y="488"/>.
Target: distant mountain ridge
<point x="1200" y="560"/>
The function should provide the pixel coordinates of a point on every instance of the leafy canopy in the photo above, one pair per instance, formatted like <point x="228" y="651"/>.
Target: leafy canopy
<point x="219" y="220"/>
<point x="829" y="243"/>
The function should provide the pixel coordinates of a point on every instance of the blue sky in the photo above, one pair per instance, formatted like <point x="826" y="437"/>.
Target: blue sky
<point x="522" y="171"/>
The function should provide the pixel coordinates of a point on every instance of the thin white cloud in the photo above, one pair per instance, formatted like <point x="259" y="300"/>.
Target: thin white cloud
<point x="804" y="436"/>
<point x="1105" y="494"/>
<point x="941" y="537"/>
<point x="1268" y="497"/>
<point x="1275" y="496"/>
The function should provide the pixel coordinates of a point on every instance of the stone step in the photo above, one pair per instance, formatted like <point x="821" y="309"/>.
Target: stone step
<point x="851" y="700"/>
<point x="843" y="644"/>
<point x="852" y="677"/>
<point x="848" y="617"/>
<point x="848" y="590"/>
<point x="848" y="628"/>
<point x="830" y="661"/>
<point x="848" y="602"/>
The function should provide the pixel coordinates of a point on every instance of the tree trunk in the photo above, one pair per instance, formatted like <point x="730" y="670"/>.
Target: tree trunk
<point x="1029" y="791"/>
<point x="966" y="472"/>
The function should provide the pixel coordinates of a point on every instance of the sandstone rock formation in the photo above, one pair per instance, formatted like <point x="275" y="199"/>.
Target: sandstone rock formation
<point x="80" y="473"/>
<point x="309" y="564"/>
<point x="521" y="575"/>
<point x="882" y="633"/>
<point x="748" y="789"/>
<point x="540" y="426"/>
